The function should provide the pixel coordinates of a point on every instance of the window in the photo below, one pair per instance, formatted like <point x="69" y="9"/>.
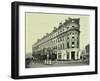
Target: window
<point x="73" y="26"/>
<point x="63" y="46"/>
<point x="77" y="54"/>
<point x="73" y="42"/>
<point x="55" y="40"/>
<point x="77" y="44"/>
<point x="56" y="47"/>
<point x="73" y="37"/>
<point x="58" y="39"/>
<point x="59" y="55"/>
<point x="62" y="38"/>
<point x="67" y="44"/>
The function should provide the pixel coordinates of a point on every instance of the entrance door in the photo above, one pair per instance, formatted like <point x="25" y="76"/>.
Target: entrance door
<point x="73" y="55"/>
<point x="59" y="56"/>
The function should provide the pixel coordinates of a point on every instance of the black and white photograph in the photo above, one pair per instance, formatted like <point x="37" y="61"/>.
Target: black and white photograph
<point x="63" y="40"/>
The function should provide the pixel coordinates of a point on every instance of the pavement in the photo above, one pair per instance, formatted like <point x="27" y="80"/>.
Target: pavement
<point x="56" y="63"/>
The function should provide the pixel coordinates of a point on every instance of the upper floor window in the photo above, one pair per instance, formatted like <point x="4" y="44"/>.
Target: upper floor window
<point x="56" y="47"/>
<point x="73" y="44"/>
<point x="67" y="44"/>
<point x="63" y="46"/>
<point x="62" y="38"/>
<point x="58" y="40"/>
<point x="77" y="44"/>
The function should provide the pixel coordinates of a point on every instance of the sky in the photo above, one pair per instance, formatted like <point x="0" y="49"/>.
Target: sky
<point x="38" y="24"/>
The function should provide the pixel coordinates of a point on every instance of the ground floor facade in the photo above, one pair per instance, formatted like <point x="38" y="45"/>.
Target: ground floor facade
<point x="68" y="54"/>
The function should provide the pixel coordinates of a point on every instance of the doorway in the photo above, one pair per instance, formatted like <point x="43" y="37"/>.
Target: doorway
<point x="73" y="55"/>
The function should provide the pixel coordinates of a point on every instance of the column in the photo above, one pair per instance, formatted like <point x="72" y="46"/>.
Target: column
<point x="79" y="54"/>
<point x="70" y="55"/>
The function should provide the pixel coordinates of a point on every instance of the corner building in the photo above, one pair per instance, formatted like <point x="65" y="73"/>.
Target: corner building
<point x="64" y="40"/>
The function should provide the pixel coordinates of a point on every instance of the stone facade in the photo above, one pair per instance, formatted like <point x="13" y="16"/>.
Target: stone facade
<point x="64" y="40"/>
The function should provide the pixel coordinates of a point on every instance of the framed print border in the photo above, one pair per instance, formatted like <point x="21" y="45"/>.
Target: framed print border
<point x="15" y="39"/>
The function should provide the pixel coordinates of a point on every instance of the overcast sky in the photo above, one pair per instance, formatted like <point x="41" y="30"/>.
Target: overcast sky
<point x="38" y="24"/>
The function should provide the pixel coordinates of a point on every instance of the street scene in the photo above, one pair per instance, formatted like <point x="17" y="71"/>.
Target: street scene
<point x="60" y="47"/>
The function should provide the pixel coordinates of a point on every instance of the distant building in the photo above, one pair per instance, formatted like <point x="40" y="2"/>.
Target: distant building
<point x="64" y="40"/>
<point x="87" y="48"/>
